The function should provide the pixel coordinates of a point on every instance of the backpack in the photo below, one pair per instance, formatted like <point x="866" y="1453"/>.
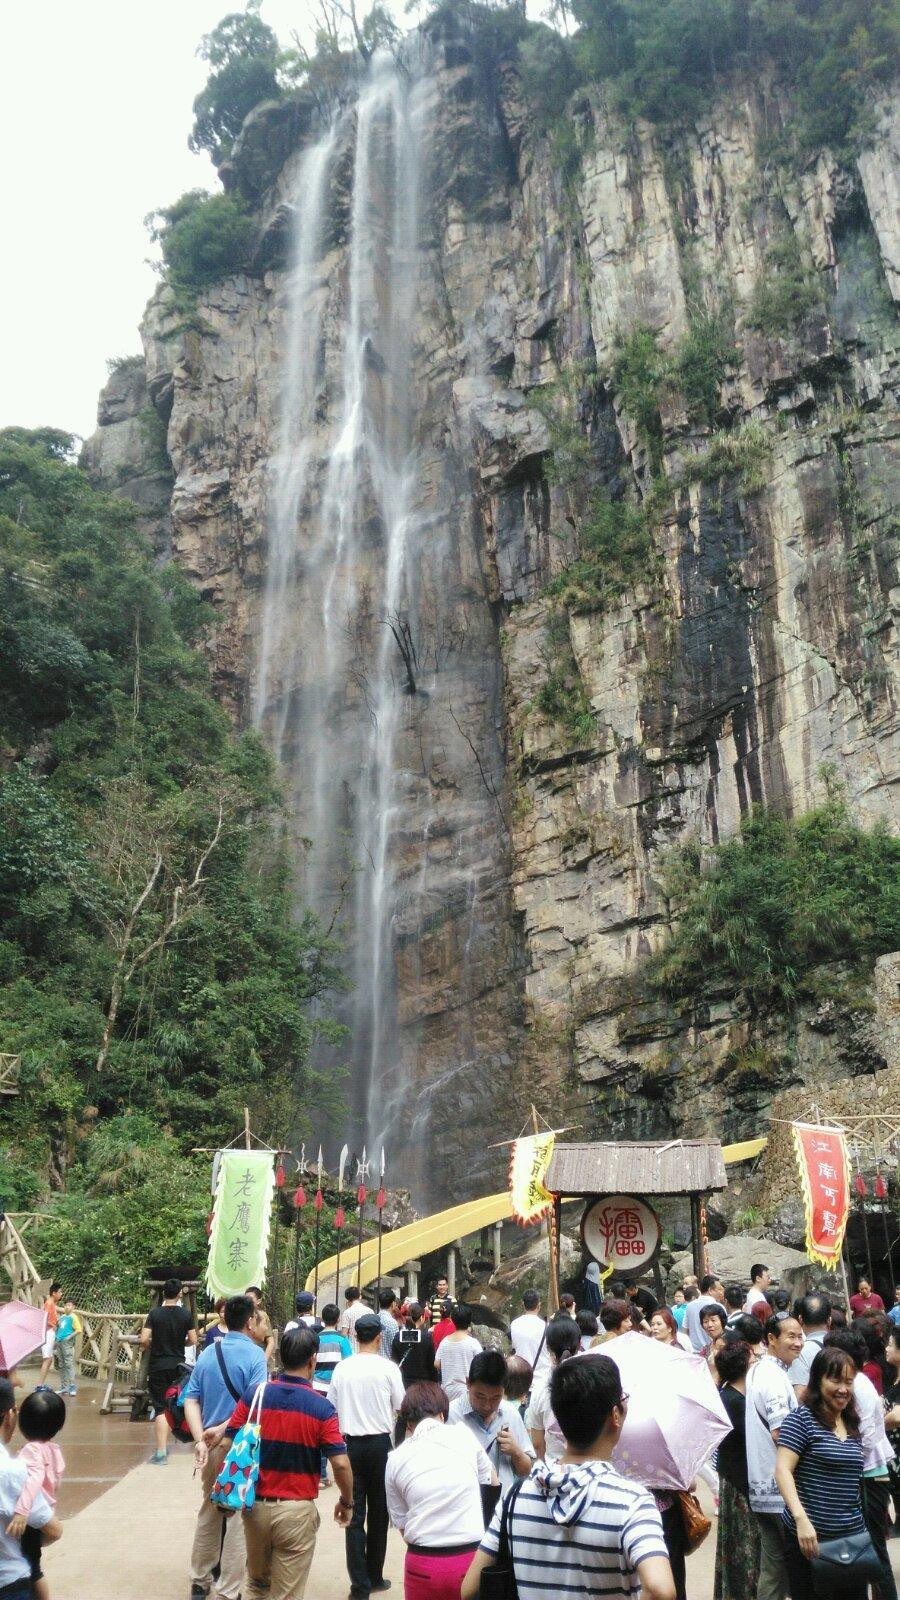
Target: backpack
<point x="173" y="1405"/>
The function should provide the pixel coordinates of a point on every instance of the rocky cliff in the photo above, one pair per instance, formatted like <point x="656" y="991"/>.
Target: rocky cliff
<point x="749" y="652"/>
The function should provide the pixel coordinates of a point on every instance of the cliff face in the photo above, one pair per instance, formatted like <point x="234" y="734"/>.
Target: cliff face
<point x="756" y="649"/>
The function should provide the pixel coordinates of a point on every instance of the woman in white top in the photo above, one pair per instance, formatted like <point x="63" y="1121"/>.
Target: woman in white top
<point x="455" y="1354"/>
<point x="432" y="1483"/>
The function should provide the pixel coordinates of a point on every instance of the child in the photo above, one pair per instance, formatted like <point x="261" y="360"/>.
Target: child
<point x="41" y="1415"/>
<point x="68" y="1329"/>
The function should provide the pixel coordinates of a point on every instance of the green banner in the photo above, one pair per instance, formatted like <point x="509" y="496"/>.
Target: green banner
<point x="239" y="1240"/>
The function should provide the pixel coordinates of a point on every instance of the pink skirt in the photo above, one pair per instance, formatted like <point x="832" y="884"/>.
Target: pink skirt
<point x="435" y="1577"/>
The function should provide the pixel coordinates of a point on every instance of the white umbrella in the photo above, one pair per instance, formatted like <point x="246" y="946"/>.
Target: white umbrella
<point x="674" y="1417"/>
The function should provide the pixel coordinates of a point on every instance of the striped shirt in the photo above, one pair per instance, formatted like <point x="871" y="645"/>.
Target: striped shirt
<point x="333" y="1347"/>
<point x="579" y="1530"/>
<point x="297" y="1427"/>
<point x="828" y="1475"/>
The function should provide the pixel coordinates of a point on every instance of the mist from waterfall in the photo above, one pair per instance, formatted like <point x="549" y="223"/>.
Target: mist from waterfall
<point x="342" y="534"/>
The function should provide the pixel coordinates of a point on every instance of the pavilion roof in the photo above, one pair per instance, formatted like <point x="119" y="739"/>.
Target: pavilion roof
<point x="678" y="1166"/>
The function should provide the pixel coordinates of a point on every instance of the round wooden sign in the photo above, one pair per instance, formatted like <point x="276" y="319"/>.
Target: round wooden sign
<point x="622" y="1230"/>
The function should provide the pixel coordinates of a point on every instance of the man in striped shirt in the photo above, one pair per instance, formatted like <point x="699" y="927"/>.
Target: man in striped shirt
<point x="576" y="1526"/>
<point x="297" y="1427"/>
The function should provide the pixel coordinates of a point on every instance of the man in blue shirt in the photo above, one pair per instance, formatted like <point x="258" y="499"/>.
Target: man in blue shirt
<point x="15" y="1571"/>
<point x="231" y="1366"/>
<point x="894" y="1313"/>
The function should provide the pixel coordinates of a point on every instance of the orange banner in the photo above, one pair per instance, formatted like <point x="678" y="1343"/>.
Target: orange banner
<point x="825" y="1181"/>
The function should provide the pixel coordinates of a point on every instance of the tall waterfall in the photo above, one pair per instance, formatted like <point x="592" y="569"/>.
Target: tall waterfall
<point x="343" y="535"/>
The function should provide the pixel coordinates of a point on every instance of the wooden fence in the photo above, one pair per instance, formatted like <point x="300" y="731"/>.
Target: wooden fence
<point x="109" y="1349"/>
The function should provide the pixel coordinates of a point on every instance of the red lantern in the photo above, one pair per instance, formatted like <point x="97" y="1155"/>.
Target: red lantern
<point x="860" y="1186"/>
<point x="380" y="1200"/>
<point x="361" y="1195"/>
<point x="279" y="1176"/>
<point x="881" y="1187"/>
<point x="299" y="1196"/>
<point x="339" y="1218"/>
<point x="319" y="1201"/>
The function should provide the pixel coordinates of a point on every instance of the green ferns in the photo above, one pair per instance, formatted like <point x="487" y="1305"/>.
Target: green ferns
<point x="787" y="289"/>
<point x="760" y="911"/>
<point x="562" y="695"/>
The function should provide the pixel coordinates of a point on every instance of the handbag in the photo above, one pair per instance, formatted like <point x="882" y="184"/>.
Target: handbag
<point x="696" y="1523"/>
<point x="490" y="1492"/>
<point x="498" y="1582"/>
<point x="235" y="1486"/>
<point x="845" y="1563"/>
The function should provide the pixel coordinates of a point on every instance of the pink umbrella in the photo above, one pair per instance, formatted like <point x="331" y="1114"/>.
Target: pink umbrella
<point x="675" y="1417"/>
<point x="23" y="1328"/>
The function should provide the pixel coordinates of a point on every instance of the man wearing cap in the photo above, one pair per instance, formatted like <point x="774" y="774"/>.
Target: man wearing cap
<point x="367" y="1392"/>
<point x="306" y="1313"/>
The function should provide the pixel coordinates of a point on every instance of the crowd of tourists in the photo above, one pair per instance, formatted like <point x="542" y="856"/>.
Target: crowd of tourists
<point x="487" y="1462"/>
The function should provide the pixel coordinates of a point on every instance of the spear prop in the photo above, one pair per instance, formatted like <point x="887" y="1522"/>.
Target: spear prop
<point x="881" y="1191"/>
<point x="279" y="1185"/>
<point x="299" y="1203"/>
<point x="318" y="1203"/>
<point x="380" y="1199"/>
<point x="339" y="1220"/>
<point x="362" y="1167"/>
<point x="861" y="1191"/>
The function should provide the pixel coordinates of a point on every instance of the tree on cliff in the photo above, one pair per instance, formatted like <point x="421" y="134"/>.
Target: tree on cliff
<point x="243" y="53"/>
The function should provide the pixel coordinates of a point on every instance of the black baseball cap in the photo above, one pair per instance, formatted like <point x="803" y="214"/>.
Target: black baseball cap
<point x="367" y="1329"/>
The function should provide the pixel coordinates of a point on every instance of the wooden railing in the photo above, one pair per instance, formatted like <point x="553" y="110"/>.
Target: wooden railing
<point x="10" y="1067"/>
<point x="15" y="1262"/>
<point x="109" y="1349"/>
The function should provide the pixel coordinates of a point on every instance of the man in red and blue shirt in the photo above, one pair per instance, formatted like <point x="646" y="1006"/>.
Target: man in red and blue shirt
<point x="297" y="1427"/>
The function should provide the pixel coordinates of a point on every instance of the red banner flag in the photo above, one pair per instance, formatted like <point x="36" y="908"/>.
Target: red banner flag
<point x="825" y="1180"/>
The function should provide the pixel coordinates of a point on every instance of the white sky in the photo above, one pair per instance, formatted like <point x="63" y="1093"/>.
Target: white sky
<point x="95" y="111"/>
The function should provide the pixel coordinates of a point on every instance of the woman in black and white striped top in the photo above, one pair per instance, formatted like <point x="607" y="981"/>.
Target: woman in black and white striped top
<point x="819" y="1470"/>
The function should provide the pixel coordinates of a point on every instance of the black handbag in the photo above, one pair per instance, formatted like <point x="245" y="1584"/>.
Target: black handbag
<point x="498" y="1582"/>
<point x="845" y="1563"/>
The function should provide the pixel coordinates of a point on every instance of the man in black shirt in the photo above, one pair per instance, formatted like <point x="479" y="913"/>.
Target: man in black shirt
<point x="168" y="1329"/>
<point x="413" y="1349"/>
<point x="641" y="1299"/>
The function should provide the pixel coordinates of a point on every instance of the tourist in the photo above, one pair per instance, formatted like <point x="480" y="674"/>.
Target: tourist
<point x="15" y="1568"/>
<point x="589" y="1530"/>
<point x="528" y="1333"/>
<point x="166" y="1332"/>
<point x="641" y="1300"/>
<point x="563" y="1342"/>
<point x="894" y="1314"/>
<point x="367" y="1391"/>
<point x="865" y="1301"/>
<point x="819" y="1471"/>
<point x="734" y="1303"/>
<point x="219" y="1328"/>
<point x="42" y="1415"/>
<point x="664" y="1328"/>
<point x="455" y="1354"/>
<point x="67" y="1331"/>
<point x="494" y="1419"/>
<point x="333" y="1347"/>
<point x="589" y="1326"/>
<point x="691" y="1292"/>
<point x="432" y="1483"/>
<point x="354" y="1308"/>
<point x="305" y="1308"/>
<point x="756" y="1303"/>
<point x="518" y="1382"/>
<point x="875" y="1367"/>
<point x="615" y="1319"/>
<point x="297" y="1426"/>
<point x="838" y="1318"/>
<point x="678" y="1306"/>
<point x="444" y="1326"/>
<point x="261" y="1329"/>
<point x="413" y="1349"/>
<point x="389" y="1317"/>
<point x="227" y="1369"/>
<point x="566" y="1306"/>
<point x="51" y="1310"/>
<point x="750" y="1330"/>
<point x="711" y="1293"/>
<point x="439" y="1294"/>
<point x="891" y="1403"/>
<point x="814" y="1315"/>
<point x="712" y="1323"/>
<point x="770" y="1400"/>
<point x="593" y="1288"/>
<point x="877" y="1451"/>
<point x="737" y="1535"/>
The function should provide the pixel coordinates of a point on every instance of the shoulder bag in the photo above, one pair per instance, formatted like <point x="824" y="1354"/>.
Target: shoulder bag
<point x="847" y="1563"/>
<point x="498" y="1582"/>
<point x="224" y="1371"/>
<point x="696" y="1523"/>
<point x="235" y="1486"/>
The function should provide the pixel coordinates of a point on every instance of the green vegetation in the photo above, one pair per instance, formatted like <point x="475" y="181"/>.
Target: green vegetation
<point x="743" y="452"/>
<point x="765" y="908"/>
<point x="787" y="289"/>
<point x="562" y="695"/>
<point x="124" y="364"/>
<point x="616" y="545"/>
<point x="244" y="55"/>
<point x="204" y="238"/>
<point x="150" y="965"/>
<point x="643" y="374"/>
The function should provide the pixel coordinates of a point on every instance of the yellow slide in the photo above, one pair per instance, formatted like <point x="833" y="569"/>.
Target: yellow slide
<point x="418" y="1239"/>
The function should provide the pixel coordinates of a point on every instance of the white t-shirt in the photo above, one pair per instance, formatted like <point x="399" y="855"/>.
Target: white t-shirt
<point x="540" y="1415"/>
<point x="13" y="1565"/>
<point x="350" y="1317"/>
<point x="798" y="1372"/>
<point x="528" y="1336"/>
<point x="877" y="1451"/>
<point x="754" y="1296"/>
<point x="366" y="1392"/>
<point x="431" y="1483"/>
<point x="770" y="1398"/>
<point x="453" y="1359"/>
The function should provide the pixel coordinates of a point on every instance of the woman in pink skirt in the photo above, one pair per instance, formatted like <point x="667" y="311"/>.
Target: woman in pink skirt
<point x="433" y="1495"/>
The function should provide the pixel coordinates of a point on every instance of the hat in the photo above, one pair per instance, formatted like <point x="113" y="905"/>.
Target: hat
<point x="305" y="1301"/>
<point x="367" y="1329"/>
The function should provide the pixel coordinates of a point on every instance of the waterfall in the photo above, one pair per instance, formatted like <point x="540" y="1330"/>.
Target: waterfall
<point x="330" y="695"/>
